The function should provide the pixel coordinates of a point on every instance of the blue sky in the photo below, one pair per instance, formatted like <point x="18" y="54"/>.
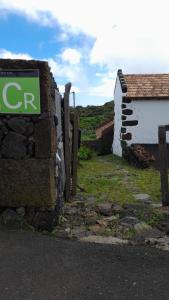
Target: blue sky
<point x="85" y="42"/>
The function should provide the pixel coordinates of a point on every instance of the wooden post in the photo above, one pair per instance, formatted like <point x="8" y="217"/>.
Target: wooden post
<point x="75" y="152"/>
<point x="163" y="164"/>
<point x="67" y="151"/>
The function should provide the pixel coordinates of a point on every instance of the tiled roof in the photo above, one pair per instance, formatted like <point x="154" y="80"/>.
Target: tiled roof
<point x="147" y="85"/>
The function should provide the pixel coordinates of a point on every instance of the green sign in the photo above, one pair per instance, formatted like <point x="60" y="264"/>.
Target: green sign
<point x="19" y="92"/>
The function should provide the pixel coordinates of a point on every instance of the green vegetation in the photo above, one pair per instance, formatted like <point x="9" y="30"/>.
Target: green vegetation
<point x="84" y="153"/>
<point x="109" y="178"/>
<point x="92" y="116"/>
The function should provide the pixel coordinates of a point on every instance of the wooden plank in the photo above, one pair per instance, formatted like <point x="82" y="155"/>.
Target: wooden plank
<point x="75" y="152"/>
<point x="67" y="151"/>
<point x="163" y="164"/>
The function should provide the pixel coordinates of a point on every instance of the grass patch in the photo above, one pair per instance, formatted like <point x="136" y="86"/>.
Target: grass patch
<point x="104" y="178"/>
<point x="98" y="178"/>
<point x="84" y="153"/>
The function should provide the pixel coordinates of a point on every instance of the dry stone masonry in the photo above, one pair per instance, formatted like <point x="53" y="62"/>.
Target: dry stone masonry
<point x="28" y="145"/>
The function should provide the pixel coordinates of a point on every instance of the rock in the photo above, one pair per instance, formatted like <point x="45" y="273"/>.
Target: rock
<point x="117" y="208"/>
<point x="69" y="210"/>
<point x="46" y="220"/>
<point x="129" y="221"/>
<point x="20" y="211"/>
<point x="9" y="216"/>
<point x="145" y="198"/>
<point x="105" y="209"/>
<point x="3" y="128"/>
<point x="17" y="125"/>
<point x="91" y="218"/>
<point x="160" y="243"/>
<point x="102" y="223"/>
<point x="31" y="148"/>
<point x="14" y="146"/>
<point x="30" y="214"/>
<point x="111" y="218"/>
<point x="79" y="198"/>
<point x="61" y="233"/>
<point x="141" y="227"/>
<point x="90" y="200"/>
<point x="78" y="232"/>
<point x="97" y="229"/>
<point x="104" y="240"/>
<point x="1" y="136"/>
<point x="29" y="129"/>
<point x="164" y="226"/>
<point x="156" y="205"/>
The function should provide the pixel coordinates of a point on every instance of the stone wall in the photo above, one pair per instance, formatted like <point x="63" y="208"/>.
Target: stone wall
<point x="100" y="130"/>
<point x="28" y="146"/>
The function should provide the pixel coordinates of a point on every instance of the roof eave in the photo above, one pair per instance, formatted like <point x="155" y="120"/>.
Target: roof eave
<point x="146" y="98"/>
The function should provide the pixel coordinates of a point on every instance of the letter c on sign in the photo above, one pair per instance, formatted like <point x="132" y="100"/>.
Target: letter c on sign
<point x="4" y="95"/>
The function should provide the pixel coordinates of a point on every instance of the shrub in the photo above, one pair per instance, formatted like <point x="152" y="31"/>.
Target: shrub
<point x="84" y="153"/>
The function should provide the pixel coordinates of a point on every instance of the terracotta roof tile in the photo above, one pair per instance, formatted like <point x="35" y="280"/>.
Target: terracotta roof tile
<point x="147" y="85"/>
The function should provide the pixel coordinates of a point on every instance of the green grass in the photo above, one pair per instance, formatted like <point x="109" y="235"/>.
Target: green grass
<point x="92" y="116"/>
<point x="104" y="178"/>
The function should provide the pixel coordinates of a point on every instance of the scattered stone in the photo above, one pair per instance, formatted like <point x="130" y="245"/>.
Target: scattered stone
<point x="156" y="205"/>
<point x="8" y="217"/>
<point x="102" y="222"/>
<point x="164" y="226"/>
<point x="79" y="198"/>
<point x="61" y="233"/>
<point x="46" y="220"/>
<point x="111" y="218"/>
<point x="117" y="208"/>
<point x="141" y="227"/>
<point x="160" y="243"/>
<point x="17" y="125"/>
<point x="78" y="232"/>
<point x="30" y="214"/>
<point x="20" y="211"/>
<point x="91" y="218"/>
<point x="105" y="209"/>
<point x="104" y="240"/>
<point x="69" y="210"/>
<point x="97" y="229"/>
<point x="145" y="198"/>
<point x="90" y="199"/>
<point x="129" y="221"/>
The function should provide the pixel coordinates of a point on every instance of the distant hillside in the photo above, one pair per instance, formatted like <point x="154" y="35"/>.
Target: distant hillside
<point x="92" y="116"/>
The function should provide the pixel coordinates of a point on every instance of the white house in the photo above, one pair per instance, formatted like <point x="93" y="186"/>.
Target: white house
<point x="141" y="104"/>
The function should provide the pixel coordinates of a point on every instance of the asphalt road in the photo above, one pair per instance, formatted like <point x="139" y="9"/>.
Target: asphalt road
<point x="38" y="267"/>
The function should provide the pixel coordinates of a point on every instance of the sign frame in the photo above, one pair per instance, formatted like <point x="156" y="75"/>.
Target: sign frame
<point x="17" y="82"/>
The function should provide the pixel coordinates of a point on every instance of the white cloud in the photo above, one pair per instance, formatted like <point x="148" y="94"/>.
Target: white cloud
<point x="130" y="34"/>
<point x="63" y="70"/>
<point x="10" y="55"/>
<point x="71" y="56"/>
<point x="106" y="87"/>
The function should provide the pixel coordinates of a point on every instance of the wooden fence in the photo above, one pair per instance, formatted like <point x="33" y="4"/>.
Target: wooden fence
<point x="163" y="163"/>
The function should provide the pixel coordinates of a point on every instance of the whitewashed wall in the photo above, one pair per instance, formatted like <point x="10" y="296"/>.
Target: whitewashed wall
<point x="150" y="114"/>
<point x="117" y="118"/>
